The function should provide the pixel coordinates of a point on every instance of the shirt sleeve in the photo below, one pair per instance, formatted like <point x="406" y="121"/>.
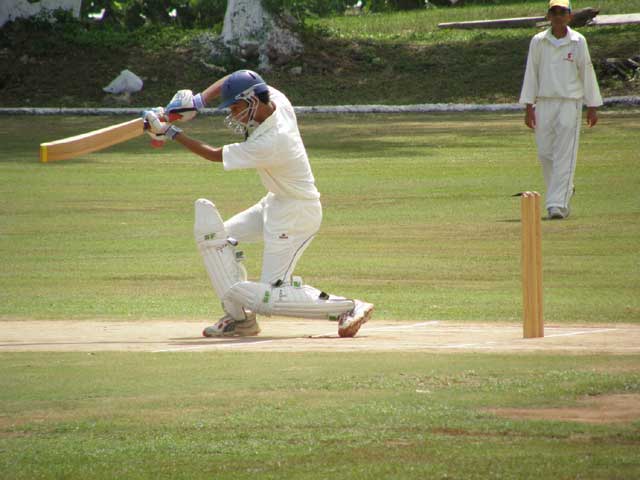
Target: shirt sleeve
<point x="530" y="84"/>
<point x="588" y="78"/>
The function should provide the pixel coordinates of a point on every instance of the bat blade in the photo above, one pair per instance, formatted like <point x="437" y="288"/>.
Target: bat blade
<point x="77" y="145"/>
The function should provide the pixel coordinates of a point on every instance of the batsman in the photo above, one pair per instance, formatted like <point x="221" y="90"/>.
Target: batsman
<point x="286" y="219"/>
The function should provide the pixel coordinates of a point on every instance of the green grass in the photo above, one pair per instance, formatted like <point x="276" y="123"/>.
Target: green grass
<point x="422" y="25"/>
<point x="404" y="58"/>
<point x="312" y="416"/>
<point x="392" y="58"/>
<point x="419" y="219"/>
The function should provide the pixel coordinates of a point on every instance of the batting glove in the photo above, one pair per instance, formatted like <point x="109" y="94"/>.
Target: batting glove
<point x="184" y="106"/>
<point x="157" y="128"/>
<point x="172" y="131"/>
<point x="153" y="119"/>
<point x="157" y="140"/>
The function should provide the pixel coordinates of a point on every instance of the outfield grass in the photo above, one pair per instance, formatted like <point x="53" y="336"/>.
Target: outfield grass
<point x="419" y="219"/>
<point x="312" y="416"/>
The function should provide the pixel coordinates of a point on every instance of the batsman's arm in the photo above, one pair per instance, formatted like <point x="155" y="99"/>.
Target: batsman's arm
<point x="213" y="91"/>
<point x="184" y="101"/>
<point x="213" y="154"/>
<point x="158" y="126"/>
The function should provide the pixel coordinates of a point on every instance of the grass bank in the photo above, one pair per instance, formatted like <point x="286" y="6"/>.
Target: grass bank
<point x="393" y="58"/>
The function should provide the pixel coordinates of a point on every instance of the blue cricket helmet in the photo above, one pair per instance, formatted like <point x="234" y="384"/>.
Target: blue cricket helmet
<point x="241" y="85"/>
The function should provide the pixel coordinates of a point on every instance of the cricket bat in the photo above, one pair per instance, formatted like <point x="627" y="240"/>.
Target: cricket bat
<point x="77" y="145"/>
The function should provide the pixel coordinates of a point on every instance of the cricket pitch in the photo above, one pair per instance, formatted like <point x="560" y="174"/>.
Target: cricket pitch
<point x="286" y="335"/>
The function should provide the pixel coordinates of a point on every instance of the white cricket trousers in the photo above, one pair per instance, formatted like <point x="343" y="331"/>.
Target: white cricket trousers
<point x="557" y="136"/>
<point x="287" y="227"/>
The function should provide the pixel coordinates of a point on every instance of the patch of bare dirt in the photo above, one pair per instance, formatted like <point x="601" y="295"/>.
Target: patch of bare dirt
<point x="617" y="408"/>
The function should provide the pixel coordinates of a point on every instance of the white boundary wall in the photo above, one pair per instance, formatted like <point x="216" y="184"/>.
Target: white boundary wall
<point x="12" y="9"/>
<point x="328" y="109"/>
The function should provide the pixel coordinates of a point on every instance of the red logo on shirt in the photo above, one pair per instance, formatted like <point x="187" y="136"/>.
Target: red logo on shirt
<point x="569" y="57"/>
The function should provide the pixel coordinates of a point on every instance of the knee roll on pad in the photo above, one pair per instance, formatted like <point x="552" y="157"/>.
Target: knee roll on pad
<point x="301" y="301"/>
<point x="208" y="226"/>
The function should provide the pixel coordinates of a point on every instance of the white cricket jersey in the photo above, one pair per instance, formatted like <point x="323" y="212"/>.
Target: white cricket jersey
<point x="560" y="68"/>
<point x="276" y="151"/>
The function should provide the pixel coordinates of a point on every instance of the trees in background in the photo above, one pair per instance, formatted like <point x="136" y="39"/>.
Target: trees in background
<point x="135" y="13"/>
<point x="132" y="14"/>
<point x="207" y="13"/>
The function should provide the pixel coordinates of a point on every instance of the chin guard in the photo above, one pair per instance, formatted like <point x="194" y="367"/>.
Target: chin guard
<point x="236" y="123"/>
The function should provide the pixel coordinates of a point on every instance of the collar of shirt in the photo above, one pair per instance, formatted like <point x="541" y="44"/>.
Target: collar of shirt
<point x="269" y="122"/>
<point x="571" y="36"/>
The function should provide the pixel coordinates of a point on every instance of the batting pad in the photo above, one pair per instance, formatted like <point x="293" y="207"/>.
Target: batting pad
<point x="300" y="301"/>
<point x="218" y="253"/>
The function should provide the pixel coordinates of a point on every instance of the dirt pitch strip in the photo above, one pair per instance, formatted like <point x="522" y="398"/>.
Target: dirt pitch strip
<point x="282" y="335"/>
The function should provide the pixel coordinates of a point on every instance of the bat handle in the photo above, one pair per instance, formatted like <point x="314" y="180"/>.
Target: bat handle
<point x="172" y="117"/>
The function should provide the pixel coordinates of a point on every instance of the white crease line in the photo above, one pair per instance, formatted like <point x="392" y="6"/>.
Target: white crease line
<point x="584" y="332"/>
<point x="463" y="346"/>
<point x="260" y="342"/>
<point x="401" y="327"/>
<point x="462" y="328"/>
<point x="467" y="345"/>
<point x="382" y="329"/>
<point x="250" y="344"/>
<point x="218" y="345"/>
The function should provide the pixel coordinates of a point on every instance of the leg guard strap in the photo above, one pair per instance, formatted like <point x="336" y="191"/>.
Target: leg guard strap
<point x="302" y="301"/>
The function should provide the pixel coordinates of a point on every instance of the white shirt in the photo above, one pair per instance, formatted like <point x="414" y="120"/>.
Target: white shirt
<point x="560" y="69"/>
<point x="276" y="151"/>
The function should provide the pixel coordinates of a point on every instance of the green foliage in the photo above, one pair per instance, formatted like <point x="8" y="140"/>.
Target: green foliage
<point x="405" y="52"/>
<point x="306" y="8"/>
<point x="201" y="13"/>
<point x="393" y="5"/>
<point x="322" y="8"/>
<point x="133" y="14"/>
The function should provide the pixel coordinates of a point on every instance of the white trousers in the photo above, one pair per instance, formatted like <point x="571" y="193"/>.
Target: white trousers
<point x="557" y="136"/>
<point x="287" y="227"/>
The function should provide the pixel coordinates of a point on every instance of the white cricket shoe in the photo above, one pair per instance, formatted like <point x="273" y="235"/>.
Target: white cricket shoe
<point x="350" y="322"/>
<point x="555" y="213"/>
<point x="228" y="327"/>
